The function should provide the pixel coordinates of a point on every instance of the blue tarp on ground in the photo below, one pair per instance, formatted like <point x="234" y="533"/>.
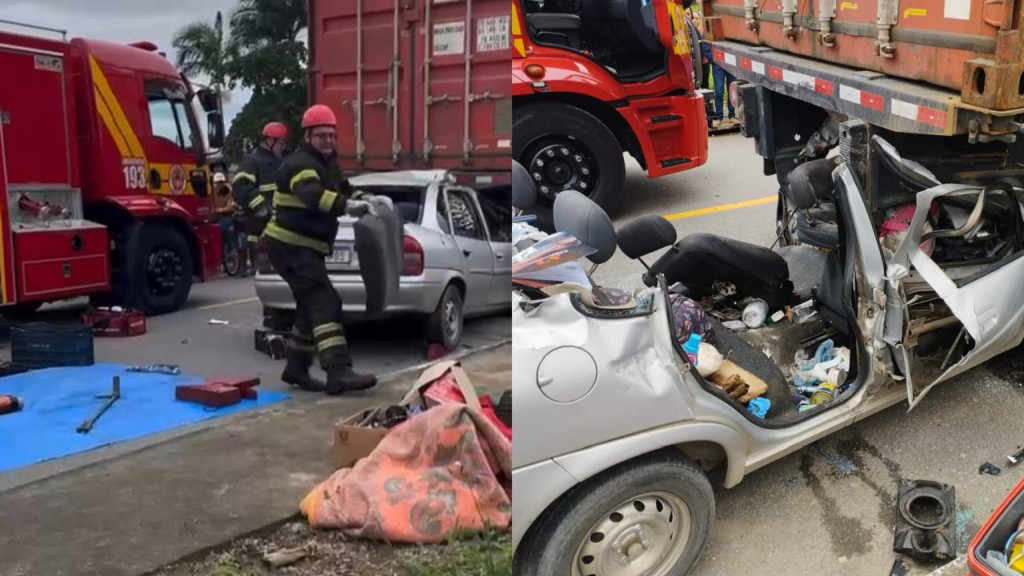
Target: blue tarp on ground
<point x="58" y="400"/>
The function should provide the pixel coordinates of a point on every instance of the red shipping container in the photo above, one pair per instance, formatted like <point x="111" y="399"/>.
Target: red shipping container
<point x="432" y="89"/>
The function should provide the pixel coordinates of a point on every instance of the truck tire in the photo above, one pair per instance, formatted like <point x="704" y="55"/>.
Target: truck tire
<point x="161" y="271"/>
<point x="566" y="148"/>
<point x="654" y="511"/>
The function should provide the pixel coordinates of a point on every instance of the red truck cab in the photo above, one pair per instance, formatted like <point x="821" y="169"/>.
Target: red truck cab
<point x="594" y="78"/>
<point x="104" y="187"/>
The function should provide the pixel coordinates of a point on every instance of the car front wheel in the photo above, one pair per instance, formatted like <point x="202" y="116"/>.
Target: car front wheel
<point x="647" y="517"/>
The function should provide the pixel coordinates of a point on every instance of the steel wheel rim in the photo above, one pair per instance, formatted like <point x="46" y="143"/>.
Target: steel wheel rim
<point x="451" y="319"/>
<point x="163" y="271"/>
<point x="642" y="536"/>
<point x="557" y="166"/>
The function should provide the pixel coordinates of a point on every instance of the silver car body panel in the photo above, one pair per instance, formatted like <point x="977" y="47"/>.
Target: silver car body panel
<point x="990" y="307"/>
<point x="444" y="261"/>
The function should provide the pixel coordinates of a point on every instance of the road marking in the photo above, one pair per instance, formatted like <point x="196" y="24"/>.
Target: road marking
<point x="722" y="208"/>
<point x="231" y="303"/>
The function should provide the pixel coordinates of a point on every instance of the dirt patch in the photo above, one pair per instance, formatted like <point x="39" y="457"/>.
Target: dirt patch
<point x="332" y="553"/>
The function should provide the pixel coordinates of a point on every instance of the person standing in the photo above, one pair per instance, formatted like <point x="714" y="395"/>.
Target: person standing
<point x="311" y="194"/>
<point x="722" y="80"/>
<point x="254" y="185"/>
<point x="225" y="208"/>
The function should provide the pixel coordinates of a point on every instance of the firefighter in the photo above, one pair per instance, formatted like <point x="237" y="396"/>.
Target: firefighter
<point x="254" y="186"/>
<point x="311" y="194"/>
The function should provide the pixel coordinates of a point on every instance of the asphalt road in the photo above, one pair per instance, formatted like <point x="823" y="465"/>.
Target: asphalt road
<point x="830" y="507"/>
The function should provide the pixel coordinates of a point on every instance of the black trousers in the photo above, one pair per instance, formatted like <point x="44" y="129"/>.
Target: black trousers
<point x="317" y="327"/>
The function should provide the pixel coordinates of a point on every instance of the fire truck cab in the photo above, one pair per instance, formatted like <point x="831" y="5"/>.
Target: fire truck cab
<point x="592" y="79"/>
<point x="104" y="186"/>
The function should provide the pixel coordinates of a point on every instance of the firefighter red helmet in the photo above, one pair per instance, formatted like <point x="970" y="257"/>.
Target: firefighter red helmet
<point x="275" y="130"/>
<point x="318" y="115"/>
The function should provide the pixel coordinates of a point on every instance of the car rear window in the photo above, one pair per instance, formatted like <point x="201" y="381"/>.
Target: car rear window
<point x="408" y="200"/>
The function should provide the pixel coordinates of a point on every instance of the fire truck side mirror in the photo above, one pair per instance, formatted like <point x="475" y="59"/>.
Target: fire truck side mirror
<point x="209" y="100"/>
<point x="215" y="129"/>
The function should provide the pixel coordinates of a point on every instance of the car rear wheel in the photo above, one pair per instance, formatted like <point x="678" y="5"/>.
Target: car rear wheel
<point x="648" y="517"/>
<point x="444" y="326"/>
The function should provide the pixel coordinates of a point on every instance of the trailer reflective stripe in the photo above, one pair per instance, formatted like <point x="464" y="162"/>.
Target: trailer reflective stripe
<point x="933" y="111"/>
<point x="116" y="121"/>
<point x="922" y="114"/>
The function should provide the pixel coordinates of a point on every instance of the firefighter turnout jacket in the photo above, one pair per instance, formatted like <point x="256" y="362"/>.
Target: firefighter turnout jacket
<point x="311" y="194"/>
<point x="254" y="186"/>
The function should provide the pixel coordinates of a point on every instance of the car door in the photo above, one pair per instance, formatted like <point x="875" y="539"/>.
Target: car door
<point x="954" y="298"/>
<point x="467" y="227"/>
<point x="496" y="207"/>
<point x="173" y="148"/>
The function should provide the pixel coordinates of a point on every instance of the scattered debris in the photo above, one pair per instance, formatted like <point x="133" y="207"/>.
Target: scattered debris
<point x="790" y="481"/>
<point x="285" y="556"/>
<point x="925" y="527"/>
<point x="899" y="568"/>
<point x="215" y="322"/>
<point x="1016" y="457"/>
<point x="988" y="468"/>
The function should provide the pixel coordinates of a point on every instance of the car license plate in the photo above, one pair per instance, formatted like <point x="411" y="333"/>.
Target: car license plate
<point x="341" y="255"/>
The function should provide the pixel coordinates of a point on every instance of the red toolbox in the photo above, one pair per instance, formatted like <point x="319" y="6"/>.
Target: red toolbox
<point x="245" y="384"/>
<point x="107" y="322"/>
<point x="1005" y="521"/>
<point x="213" y="395"/>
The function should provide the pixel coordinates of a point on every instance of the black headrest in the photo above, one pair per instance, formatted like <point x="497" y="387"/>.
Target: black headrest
<point x="524" y="191"/>
<point x="811" y="182"/>
<point x="641" y="236"/>
<point x="579" y="216"/>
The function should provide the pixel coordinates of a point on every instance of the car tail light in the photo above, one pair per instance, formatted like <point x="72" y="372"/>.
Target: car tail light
<point x="412" y="257"/>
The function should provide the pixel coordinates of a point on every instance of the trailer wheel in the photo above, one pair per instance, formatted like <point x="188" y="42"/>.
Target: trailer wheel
<point x="566" y="148"/>
<point x="161" y="269"/>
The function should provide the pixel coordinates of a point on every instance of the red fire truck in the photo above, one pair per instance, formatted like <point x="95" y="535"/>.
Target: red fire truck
<point x="594" y="78"/>
<point x="104" y="186"/>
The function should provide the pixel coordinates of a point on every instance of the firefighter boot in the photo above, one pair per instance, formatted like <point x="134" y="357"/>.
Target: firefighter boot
<point x="296" y="372"/>
<point x="342" y="378"/>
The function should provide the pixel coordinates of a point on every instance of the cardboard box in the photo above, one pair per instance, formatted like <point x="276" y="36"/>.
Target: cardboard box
<point x="354" y="439"/>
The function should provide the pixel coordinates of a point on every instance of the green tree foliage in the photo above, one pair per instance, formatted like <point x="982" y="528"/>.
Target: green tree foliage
<point x="263" y="52"/>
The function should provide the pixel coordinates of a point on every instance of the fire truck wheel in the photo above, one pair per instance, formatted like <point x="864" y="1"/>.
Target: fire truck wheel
<point x="161" y="269"/>
<point x="566" y="148"/>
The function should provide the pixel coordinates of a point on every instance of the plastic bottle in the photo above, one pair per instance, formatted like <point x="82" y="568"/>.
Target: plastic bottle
<point x="691" y="347"/>
<point x="824" y="394"/>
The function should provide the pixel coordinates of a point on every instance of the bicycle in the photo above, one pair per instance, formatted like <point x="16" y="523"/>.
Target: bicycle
<point x="231" y="254"/>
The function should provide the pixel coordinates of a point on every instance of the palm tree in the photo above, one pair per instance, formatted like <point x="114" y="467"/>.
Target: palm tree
<point x="258" y="23"/>
<point x="203" y="49"/>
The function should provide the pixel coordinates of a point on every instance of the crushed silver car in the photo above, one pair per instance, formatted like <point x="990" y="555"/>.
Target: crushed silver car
<point x="617" y="424"/>
<point x="457" y="253"/>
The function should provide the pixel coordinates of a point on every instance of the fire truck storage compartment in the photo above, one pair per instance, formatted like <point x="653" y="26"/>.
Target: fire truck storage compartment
<point x="395" y="75"/>
<point x="61" y="261"/>
<point x="34" y="115"/>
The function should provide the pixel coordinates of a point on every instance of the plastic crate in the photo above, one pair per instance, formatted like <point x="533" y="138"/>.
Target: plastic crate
<point x="41" y="345"/>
